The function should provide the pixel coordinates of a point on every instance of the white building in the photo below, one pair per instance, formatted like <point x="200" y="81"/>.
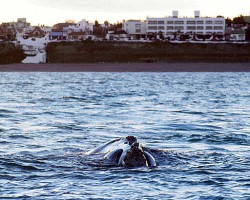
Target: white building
<point x="82" y="26"/>
<point x="47" y="30"/>
<point x="136" y="29"/>
<point x="238" y="35"/>
<point x="175" y="24"/>
<point x="34" y="48"/>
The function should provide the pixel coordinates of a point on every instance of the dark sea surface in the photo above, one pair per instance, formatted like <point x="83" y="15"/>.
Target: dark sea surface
<point x="200" y="120"/>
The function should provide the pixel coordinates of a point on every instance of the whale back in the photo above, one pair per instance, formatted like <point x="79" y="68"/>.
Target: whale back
<point x="121" y="143"/>
<point x="103" y="148"/>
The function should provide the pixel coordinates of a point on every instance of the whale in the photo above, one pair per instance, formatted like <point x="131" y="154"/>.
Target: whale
<point x="125" y="152"/>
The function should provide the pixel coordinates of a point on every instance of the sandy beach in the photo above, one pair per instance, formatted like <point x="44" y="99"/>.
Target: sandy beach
<point x="128" y="67"/>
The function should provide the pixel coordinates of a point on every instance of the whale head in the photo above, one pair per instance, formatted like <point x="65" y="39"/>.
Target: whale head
<point x="135" y="157"/>
<point x="126" y="152"/>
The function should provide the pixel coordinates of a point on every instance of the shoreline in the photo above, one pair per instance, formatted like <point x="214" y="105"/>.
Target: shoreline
<point x="127" y="67"/>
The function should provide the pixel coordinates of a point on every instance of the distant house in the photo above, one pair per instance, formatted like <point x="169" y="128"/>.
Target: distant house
<point x="37" y="32"/>
<point x="136" y="29"/>
<point x="46" y="30"/>
<point x="57" y="34"/>
<point x="247" y="21"/>
<point x="76" y="36"/>
<point x="242" y="24"/>
<point x="84" y="26"/>
<point x="7" y="34"/>
<point x="63" y="25"/>
<point x="33" y="47"/>
<point x="19" y="26"/>
<point x="238" y="35"/>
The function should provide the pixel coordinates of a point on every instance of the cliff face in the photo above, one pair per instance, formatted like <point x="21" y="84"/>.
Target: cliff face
<point x="10" y="54"/>
<point x="91" y="52"/>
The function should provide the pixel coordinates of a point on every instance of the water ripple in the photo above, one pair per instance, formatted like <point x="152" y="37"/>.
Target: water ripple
<point x="199" y="121"/>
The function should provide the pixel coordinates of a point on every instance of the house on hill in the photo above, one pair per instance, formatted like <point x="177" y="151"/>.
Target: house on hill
<point x="136" y="29"/>
<point x="58" y="34"/>
<point x="7" y="34"/>
<point x="238" y="35"/>
<point x="63" y="25"/>
<point x="242" y="24"/>
<point x="76" y="36"/>
<point x="37" y="32"/>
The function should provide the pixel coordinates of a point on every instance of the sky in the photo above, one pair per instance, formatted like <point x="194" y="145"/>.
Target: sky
<point x="50" y="12"/>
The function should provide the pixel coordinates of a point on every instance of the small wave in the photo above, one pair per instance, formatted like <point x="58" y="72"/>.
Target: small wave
<point x="68" y="127"/>
<point x="74" y="98"/>
<point x="4" y="142"/>
<point x="48" y="113"/>
<point x="189" y="112"/>
<point x="4" y="116"/>
<point x="227" y="139"/>
<point x="7" y="111"/>
<point x="18" y="136"/>
<point x="19" y="166"/>
<point x="44" y="99"/>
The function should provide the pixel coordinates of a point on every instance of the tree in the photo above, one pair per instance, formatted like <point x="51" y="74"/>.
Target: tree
<point x="96" y="23"/>
<point x="239" y="20"/>
<point x="71" y="21"/>
<point x="106" y="23"/>
<point x="118" y="25"/>
<point x="229" y="22"/>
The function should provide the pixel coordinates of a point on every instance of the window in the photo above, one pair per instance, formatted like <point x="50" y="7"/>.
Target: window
<point x="152" y="22"/>
<point x="137" y="25"/>
<point x="177" y="28"/>
<point x="161" y="28"/>
<point x="179" y="22"/>
<point x="137" y="30"/>
<point x="218" y="28"/>
<point x="200" y="22"/>
<point x="170" y="28"/>
<point x="191" y="22"/>
<point x="209" y="28"/>
<point x="152" y="28"/>
<point x="218" y="22"/>
<point x="161" y="22"/>
<point x="209" y="22"/>
<point x="170" y="22"/>
<point x="200" y="27"/>
<point x="191" y="28"/>
<point x="219" y="32"/>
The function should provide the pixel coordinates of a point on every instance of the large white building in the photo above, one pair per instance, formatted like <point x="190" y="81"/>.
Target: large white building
<point x="196" y="25"/>
<point x="136" y="29"/>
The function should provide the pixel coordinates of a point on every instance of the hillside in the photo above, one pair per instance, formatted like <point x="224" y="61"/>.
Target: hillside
<point x="92" y="52"/>
<point x="10" y="54"/>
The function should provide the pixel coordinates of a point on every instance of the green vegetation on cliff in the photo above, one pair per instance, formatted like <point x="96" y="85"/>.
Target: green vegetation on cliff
<point x="9" y="53"/>
<point x="92" y="51"/>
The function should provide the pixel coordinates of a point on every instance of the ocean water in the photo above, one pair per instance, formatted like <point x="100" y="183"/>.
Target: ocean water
<point x="200" y="120"/>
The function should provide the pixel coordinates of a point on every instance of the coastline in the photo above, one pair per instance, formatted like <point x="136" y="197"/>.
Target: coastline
<point x="128" y="67"/>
